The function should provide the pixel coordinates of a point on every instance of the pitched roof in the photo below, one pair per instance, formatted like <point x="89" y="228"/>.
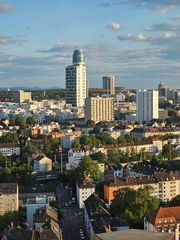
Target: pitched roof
<point x="164" y="213"/>
<point x="85" y="182"/>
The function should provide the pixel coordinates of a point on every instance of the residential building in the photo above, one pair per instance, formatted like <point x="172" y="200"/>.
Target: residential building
<point x="17" y="233"/>
<point x="9" y="149"/>
<point x="165" y="219"/>
<point x="9" y="197"/>
<point x="84" y="188"/>
<point x="147" y="104"/>
<point x="41" y="163"/>
<point x="135" y="234"/>
<point x="98" y="219"/>
<point x="99" y="109"/>
<point x="76" y="83"/>
<point x="109" y="84"/>
<point x="154" y="147"/>
<point x="46" y="222"/>
<point x="165" y="185"/>
<point x="21" y="96"/>
<point x="35" y="203"/>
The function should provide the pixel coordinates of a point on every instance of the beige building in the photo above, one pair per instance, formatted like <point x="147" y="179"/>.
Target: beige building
<point x="109" y="84"/>
<point x="42" y="164"/>
<point x="165" y="185"/>
<point x="9" y="197"/>
<point x="99" y="109"/>
<point x="21" y="96"/>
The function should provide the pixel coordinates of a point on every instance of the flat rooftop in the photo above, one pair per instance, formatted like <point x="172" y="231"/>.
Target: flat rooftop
<point x="134" y="234"/>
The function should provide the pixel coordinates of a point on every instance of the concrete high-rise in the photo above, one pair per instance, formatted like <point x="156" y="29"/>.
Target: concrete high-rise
<point x="109" y="84"/>
<point x="76" y="83"/>
<point x="163" y="90"/>
<point x="147" y="105"/>
<point x="99" y="109"/>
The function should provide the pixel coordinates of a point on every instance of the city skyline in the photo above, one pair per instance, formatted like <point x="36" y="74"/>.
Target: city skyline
<point x="137" y="41"/>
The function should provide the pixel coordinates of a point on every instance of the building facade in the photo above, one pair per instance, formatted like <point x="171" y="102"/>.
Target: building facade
<point x="166" y="219"/>
<point x="21" y="96"/>
<point x="84" y="188"/>
<point x="109" y="84"/>
<point x="165" y="185"/>
<point x="42" y="164"/>
<point x="76" y="83"/>
<point x="99" y="109"/>
<point x="147" y="105"/>
<point x="9" y="197"/>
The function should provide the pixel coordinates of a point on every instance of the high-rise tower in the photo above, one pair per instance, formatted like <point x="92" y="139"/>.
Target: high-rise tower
<point x="109" y="84"/>
<point x="147" y="105"/>
<point x="76" y="83"/>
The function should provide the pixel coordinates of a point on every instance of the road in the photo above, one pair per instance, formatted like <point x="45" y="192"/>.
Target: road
<point x="72" y="217"/>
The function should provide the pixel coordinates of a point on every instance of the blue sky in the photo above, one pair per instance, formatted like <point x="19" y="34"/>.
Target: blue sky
<point x="138" y="41"/>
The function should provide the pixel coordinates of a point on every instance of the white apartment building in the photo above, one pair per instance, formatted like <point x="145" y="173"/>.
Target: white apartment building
<point x="76" y="83"/>
<point x="10" y="149"/>
<point x="109" y="84"/>
<point x="76" y="156"/>
<point x="99" y="109"/>
<point x="147" y="105"/>
<point x="84" y="189"/>
<point x="9" y="197"/>
<point x="35" y="203"/>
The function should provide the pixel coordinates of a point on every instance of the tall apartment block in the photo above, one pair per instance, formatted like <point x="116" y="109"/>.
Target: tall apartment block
<point x="9" y="197"/>
<point x="109" y="84"/>
<point x="20" y="96"/>
<point x="99" y="109"/>
<point x="76" y="83"/>
<point x="147" y="105"/>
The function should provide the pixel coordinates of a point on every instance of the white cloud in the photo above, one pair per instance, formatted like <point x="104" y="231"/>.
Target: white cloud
<point x="114" y="26"/>
<point x="5" y="8"/>
<point x="132" y="37"/>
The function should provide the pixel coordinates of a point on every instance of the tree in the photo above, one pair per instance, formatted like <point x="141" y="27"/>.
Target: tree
<point x="169" y="152"/>
<point x="175" y="201"/>
<point x="21" y="122"/>
<point x="113" y="156"/>
<point x="76" y="145"/>
<point x="134" y="205"/>
<point x="31" y="120"/>
<point x="9" y="138"/>
<point x="90" y="167"/>
<point x="100" y="157"/>
<point x="90" y="123"/>
<point x="30" y="149"/>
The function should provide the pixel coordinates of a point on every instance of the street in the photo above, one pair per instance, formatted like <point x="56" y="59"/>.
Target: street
<point x="72" y="221"/>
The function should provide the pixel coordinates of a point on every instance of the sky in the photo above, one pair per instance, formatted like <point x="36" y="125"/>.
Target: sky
<point x="137" y="41"/>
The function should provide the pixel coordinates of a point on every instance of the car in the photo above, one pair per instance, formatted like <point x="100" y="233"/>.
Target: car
<point x="82" y="237"/>
<point x="81" y="231"/>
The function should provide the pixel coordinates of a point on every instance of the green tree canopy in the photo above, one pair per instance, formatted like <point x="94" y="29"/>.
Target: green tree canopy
<point x="31" y="120"/>
<point x="9" y="138"/>
<point x="21" y="122"/>
<point x="76" y="145"/>
<point x="134" y="205"/>
<point x="30" y="149"/>
<point x="90" y="167"/>
<point x="175" y="201"/>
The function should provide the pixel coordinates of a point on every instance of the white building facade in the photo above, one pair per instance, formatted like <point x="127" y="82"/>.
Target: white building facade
<point x="147" y="105"/>
<point x="76" y="83"/>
